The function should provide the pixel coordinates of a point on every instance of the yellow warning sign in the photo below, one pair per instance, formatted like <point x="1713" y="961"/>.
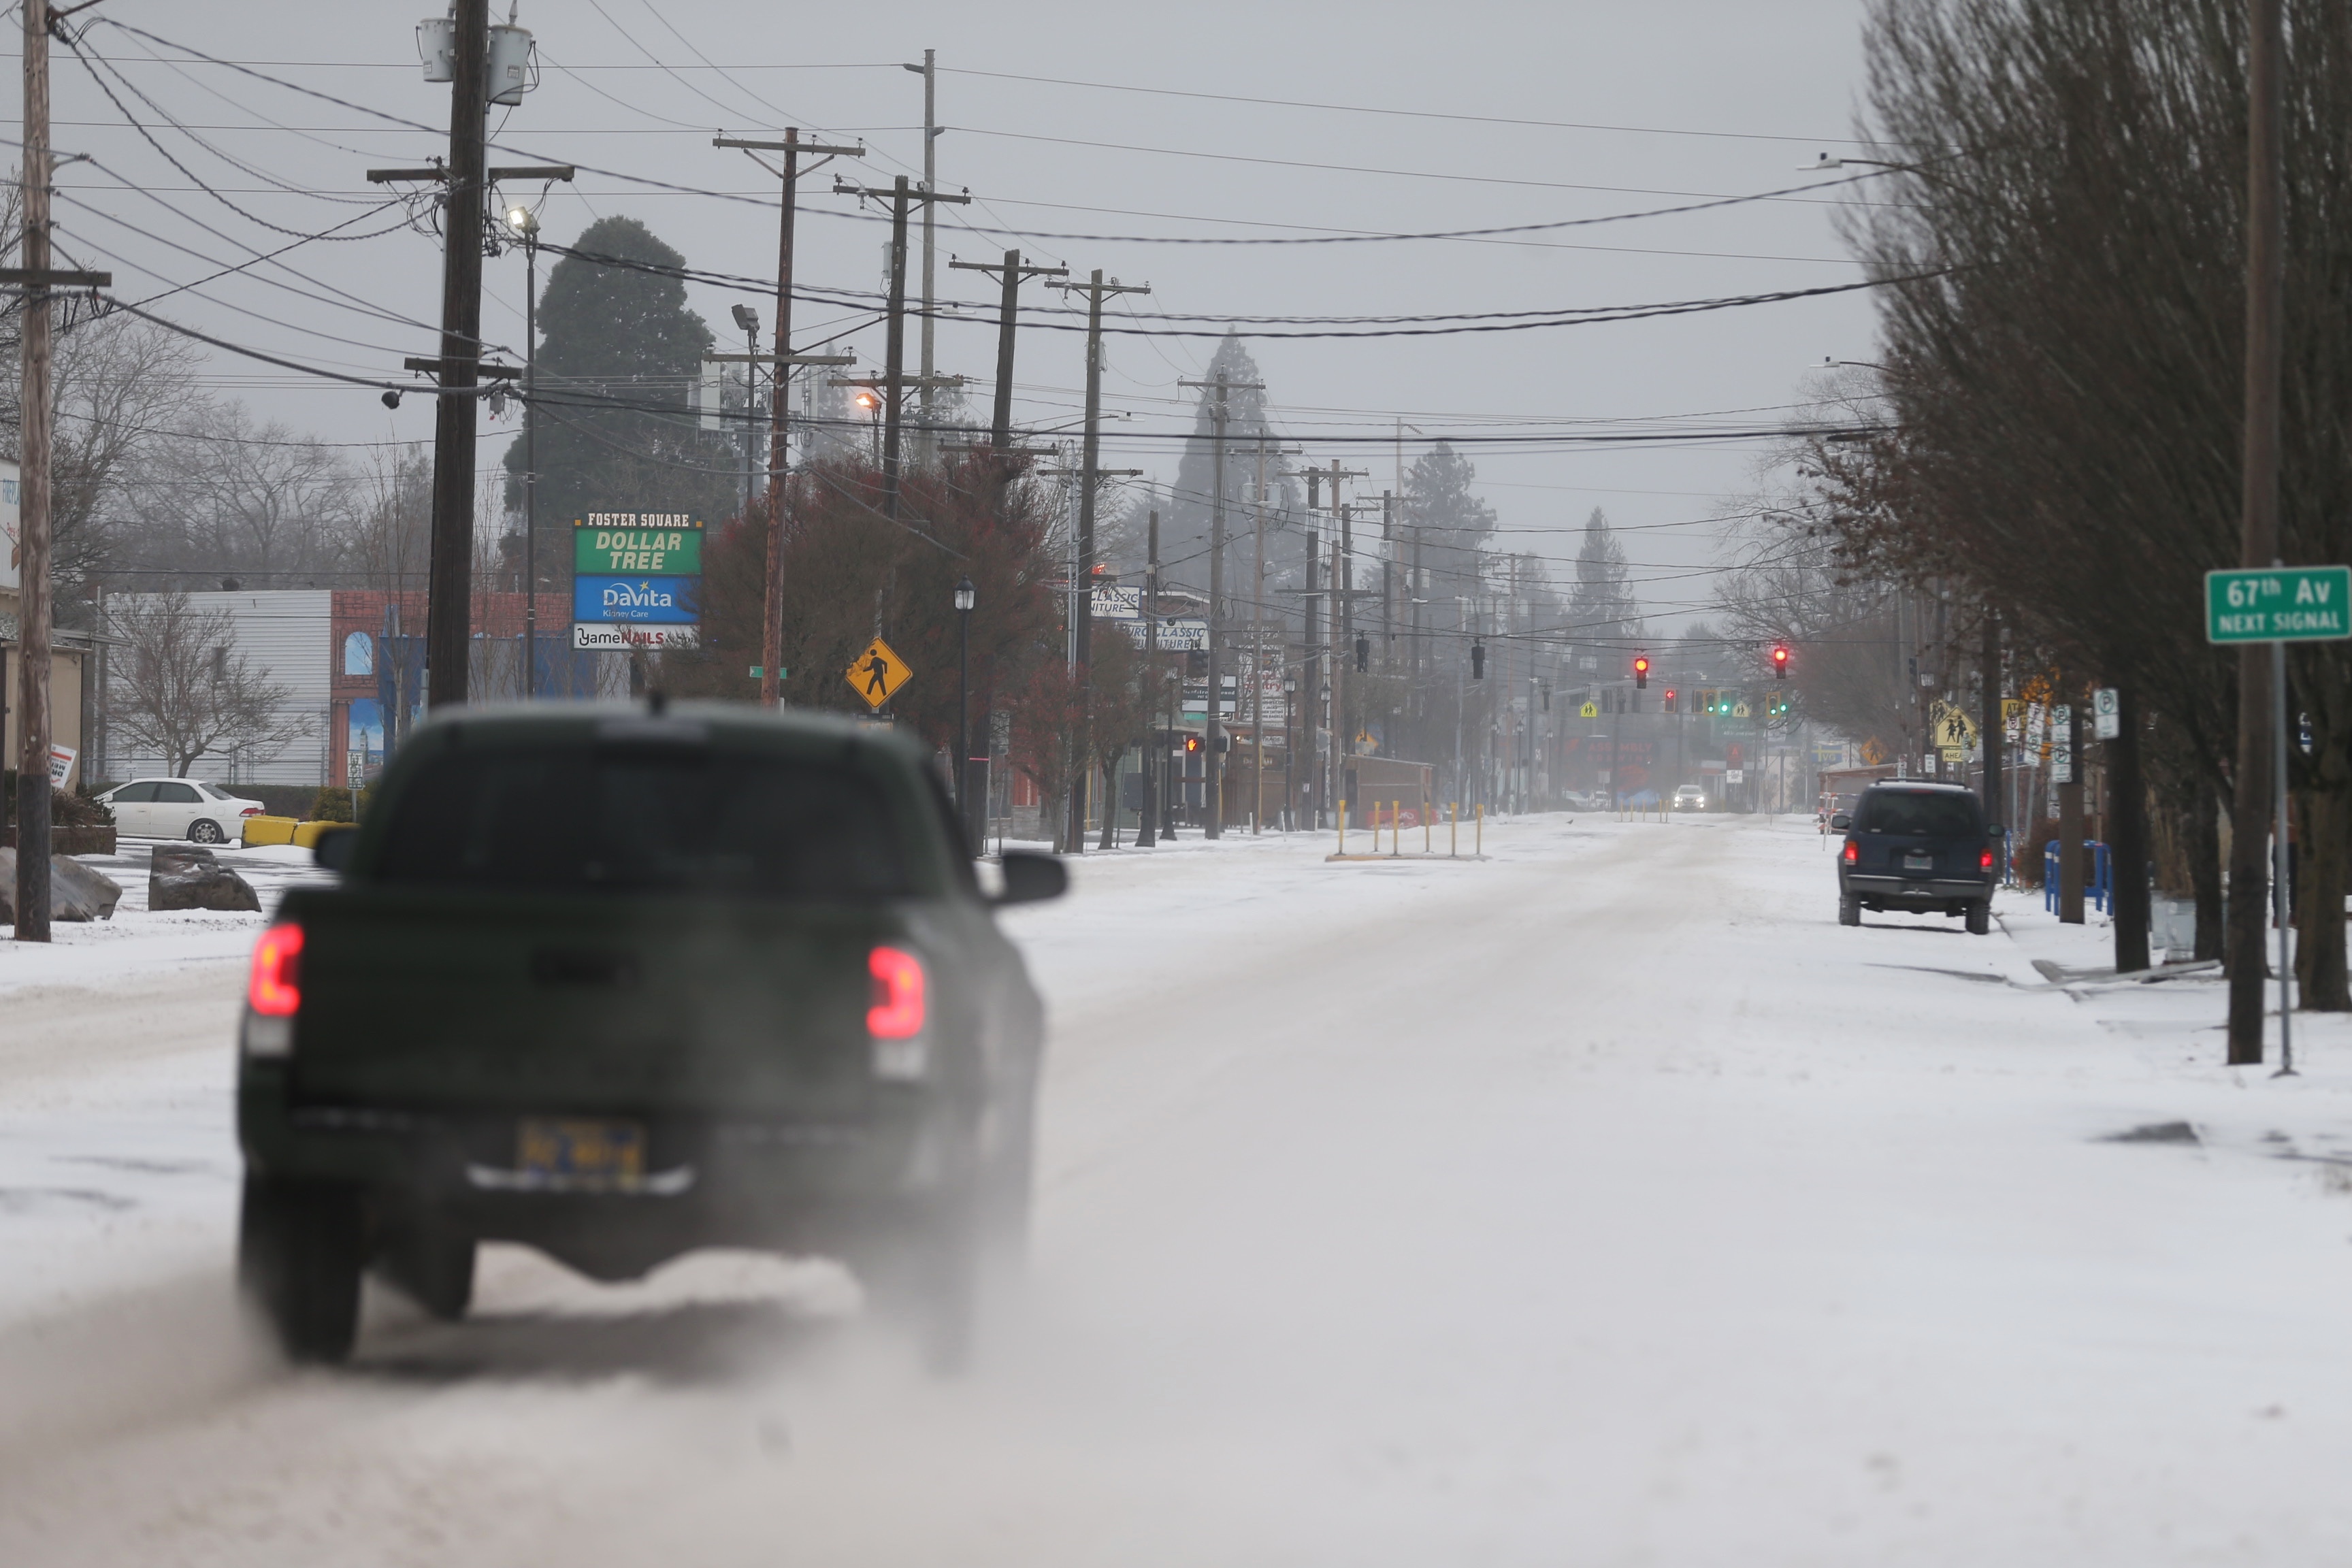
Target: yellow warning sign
<point x="1951" y="728"/>
<point x="878" y="674"/>
<point x="1590" y="710"/>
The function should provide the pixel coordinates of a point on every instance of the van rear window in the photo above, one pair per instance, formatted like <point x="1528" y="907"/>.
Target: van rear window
<point x="1928" y="816"/>
<point x="592" y="819"/>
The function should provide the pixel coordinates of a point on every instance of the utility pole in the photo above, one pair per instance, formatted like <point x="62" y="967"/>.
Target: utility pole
<point x="771" y="631"/>
<point x="1342" y="585"/>
<point x="1257" y="648"/>
<point x="449" y="604"/>
<point x="894" y="368"/>
<point x="927" y="70"/>
<point x="1012" y="271"/>
<point x="1155" y="753"/>
<point x="1213" y="791"/>
<point x="2258" y="540"/>
<point x="34" y="615"/>
<point x="1310" y="696"/>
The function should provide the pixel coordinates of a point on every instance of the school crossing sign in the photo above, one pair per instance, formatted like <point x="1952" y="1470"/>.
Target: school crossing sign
<point x="2279" y="603"/>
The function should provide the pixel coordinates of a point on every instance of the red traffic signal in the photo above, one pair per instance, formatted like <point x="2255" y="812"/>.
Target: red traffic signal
<point x="1780" y="661"/>
<point x="1642" y="670"/>
<point x="1670" y="698"/>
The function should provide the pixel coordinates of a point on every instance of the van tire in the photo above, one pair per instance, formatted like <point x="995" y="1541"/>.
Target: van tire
<point x="1849" y="909"/>
<point x="1980" y="918"/>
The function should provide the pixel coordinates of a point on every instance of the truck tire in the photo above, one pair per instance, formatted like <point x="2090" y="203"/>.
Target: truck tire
<point x="1849" y="909"/>
<point x="1980" y="918"/>
<point x="433" y="1268"/>
<point x="299" y="1248"/>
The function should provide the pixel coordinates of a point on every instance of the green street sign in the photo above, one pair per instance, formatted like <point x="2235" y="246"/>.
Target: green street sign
<point x="634" y="544"/>
<point x="2280" y="604"/>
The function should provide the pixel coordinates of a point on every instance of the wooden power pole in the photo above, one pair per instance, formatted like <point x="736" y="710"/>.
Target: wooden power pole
<point x="900" y="196"/>
<point x="449" y="576"/>
<point x="2258" y="540"/>
<point x="33" y="617"/>
<point x="771" y="625"/>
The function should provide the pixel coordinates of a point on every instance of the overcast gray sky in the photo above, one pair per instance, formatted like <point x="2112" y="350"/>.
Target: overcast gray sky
<point x="1645" y="106"/>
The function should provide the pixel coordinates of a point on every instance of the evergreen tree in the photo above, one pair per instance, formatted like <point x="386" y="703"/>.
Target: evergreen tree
<point x="1604" y="620"/>
<point x="618" y="358"/>
<point x="1188" y="509"/>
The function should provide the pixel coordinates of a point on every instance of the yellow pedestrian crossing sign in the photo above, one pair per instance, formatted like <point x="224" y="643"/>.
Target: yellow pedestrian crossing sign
<point x="1590" y="710"/>
<point x="876" y="674"/>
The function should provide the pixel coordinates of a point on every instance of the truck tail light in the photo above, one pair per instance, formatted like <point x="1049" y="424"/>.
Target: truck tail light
<point x="1853" y="852"/>
<point x="275" y="989"/>
<point x="1984" y="861"/>
<point x="897" y="1009"/>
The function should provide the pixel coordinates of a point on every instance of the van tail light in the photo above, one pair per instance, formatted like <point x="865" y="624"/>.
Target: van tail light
<point x="1853" y="852"/>
<point x="1984" y="861"/>
<point x="275" y="988"/>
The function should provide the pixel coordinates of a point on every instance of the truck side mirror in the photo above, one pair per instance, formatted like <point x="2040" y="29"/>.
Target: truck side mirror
<point x="333" y="850"/>
<point x="1840" y="823"/>
<point x="1031" y="877"/>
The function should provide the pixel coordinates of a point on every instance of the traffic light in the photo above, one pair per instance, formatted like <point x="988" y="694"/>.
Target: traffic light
<point x="1670" y="698"/>
<point x="1192" y="745"/>
<point x="1478" y="661"/>
<point x="1641" y="671"/>
<point x="1363" y="655"/>
<point x="1780" y="661"/>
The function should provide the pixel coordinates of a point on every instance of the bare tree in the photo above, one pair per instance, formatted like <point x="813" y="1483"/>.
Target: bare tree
<point x="180" y="689"/>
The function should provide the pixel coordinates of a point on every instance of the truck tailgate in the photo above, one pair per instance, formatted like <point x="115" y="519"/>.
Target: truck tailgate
<point x="418" y="998"/>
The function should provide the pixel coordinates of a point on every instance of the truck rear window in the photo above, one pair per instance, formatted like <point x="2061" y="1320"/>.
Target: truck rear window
<point x="1926" y="815"/>
<point x="649" y="819"/>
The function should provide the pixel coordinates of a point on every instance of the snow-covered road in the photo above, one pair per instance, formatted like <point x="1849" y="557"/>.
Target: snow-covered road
<point x="1600" y="1203"/>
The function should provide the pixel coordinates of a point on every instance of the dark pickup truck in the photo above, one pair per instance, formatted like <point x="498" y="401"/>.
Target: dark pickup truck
<point x="619" y="984"/>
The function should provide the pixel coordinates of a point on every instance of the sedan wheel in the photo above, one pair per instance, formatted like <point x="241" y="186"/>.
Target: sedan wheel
<point x="204" y="831"/>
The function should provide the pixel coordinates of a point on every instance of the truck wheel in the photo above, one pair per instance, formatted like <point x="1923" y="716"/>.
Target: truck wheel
<point x="1980" y="918"/>
<point x="432" y="1267"/>
<point x="1849" y="909"/>
<point x="299" y="1248"/>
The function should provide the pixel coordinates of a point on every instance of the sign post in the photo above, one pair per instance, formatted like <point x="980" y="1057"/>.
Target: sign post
<point x="2279" y="606"/>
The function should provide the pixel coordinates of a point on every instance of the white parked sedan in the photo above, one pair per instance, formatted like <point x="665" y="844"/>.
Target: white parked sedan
<point x="178" y="808"/>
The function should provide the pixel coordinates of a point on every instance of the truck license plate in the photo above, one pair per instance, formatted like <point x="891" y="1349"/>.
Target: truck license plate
<point x="1918" y="862"/>
<point x="580" y="1147"/>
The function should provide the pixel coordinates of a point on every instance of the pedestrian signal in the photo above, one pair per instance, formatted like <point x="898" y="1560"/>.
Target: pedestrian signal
<point x="1192" y="744"/>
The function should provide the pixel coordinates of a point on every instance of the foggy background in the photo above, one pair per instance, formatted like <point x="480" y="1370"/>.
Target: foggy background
<point x="1642" y="107"/>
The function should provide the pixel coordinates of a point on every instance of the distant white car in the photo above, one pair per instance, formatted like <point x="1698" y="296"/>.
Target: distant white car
<point x="178" y="808"/>
<point x="1690" y="797"/>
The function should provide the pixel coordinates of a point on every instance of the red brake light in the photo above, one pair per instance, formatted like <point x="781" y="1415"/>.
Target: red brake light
<point x="275" y="990"/>
<point x="1984" y="861"/>
<point x="897" y="1013"/>
<point x="250" y="811"/>
<point x="1853" y="852"/>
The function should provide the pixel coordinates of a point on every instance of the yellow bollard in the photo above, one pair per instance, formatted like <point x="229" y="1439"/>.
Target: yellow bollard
<point x="1479" y="844"/>
<point x="1343" y="827"/>
<point x="1396" y="828"/>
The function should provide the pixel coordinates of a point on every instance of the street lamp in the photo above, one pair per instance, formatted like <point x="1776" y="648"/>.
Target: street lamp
<point x="872" y="403"/>
<point x="525" y="223"/>
<point x="966" y="597"/>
